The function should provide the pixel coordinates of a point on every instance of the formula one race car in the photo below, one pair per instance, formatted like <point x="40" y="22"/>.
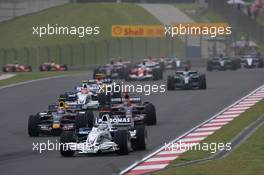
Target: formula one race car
<point x="251" y="61"/>
<point x="103" y="137"/>
<point x="52" y="66"/>
<point x="144" y="72"/>
<point x="113" y="70"/>
<point x="186" y="80"/>
<point x="17" y="68"/>
<point x="58" y="118"/>
<point x="85" y="98"/>
<point x="176" y="63"/>
<point x="126" y="107"/>
<point x="222" y="63"/>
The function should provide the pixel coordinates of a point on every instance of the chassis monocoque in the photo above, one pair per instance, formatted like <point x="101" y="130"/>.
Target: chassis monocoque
<point x="53" y="123"/>
<point x="224" y="63"/>
<point x="186" y="80"/>
<point x="103" y="137"/>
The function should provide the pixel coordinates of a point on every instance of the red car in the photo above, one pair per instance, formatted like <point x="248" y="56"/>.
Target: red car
<point x="51" y="66"/>
<point x="17" y="68"/>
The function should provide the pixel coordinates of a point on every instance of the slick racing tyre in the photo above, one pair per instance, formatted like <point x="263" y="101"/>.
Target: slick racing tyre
<point x="156" y="74"/>
<point x="65" y="67"/>
<point x="140" y="142"/>
<point x="260" y="65"/>
<point x="170" y="83"/>
<point x="123" y="141"/>
<point x="66" y="137"/>
<point x="33" y="122"/>
<point x="84" y="120"/>
<point x="104" y="99"/>
<point x="202" y="82"/>
<point x="209" y="66"/>
<point x="150" y="114"/>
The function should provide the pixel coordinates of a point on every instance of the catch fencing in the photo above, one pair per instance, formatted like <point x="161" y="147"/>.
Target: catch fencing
<point x="94" y="52"/>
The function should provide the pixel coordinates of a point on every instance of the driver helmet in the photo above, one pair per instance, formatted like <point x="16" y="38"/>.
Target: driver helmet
<point x="84" y="89"/>
<point x="127" y="100"/>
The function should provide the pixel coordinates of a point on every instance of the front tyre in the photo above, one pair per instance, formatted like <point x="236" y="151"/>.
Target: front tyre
<point x="66" y="137"/>
<point x="141" y="138"/>
<point x="33" y="128"/>
<point x="122" y="140"/>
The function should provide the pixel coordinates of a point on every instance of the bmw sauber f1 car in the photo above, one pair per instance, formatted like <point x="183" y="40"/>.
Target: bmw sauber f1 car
<point x="17" y="68"/>
<point x="222" y="63"/>
<point x="52" y="66"/>
<point x="87" y="100"/>
<point x="103" y="137"/>
<point x="251" y="61"/>
<point x="186" y="80"/>
<point x="58" y="118"/>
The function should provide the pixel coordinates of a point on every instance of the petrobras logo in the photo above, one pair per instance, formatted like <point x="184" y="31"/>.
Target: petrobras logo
<point x="116" y="120"/>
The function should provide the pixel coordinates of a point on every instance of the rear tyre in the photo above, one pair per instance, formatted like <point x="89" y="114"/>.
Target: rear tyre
<point x="84" y="120"/>
<point x="5" y="69"/>
<point x="233" y="65"/>
<point x="65" y="67"/>
<point x="66" y="137"/>
<point x="156" y="75"/>
<point x="29" y="69"/>
<point x="150" y="111"/>
<point x="170" y="83"/>
<point x="104" y="99"/>
<point x="209" y="66"/>
<point x="202" y="82"/>
<point x="260" y="63"/>
<point x="122" y="140"/>
<point x="33" y="122"/>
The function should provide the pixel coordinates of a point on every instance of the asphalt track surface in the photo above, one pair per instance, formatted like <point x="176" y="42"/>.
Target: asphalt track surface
<point x="177" y="112"/>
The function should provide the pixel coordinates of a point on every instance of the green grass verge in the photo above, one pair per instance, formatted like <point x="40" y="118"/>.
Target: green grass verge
<point x="239" y="158"/>
<point x="186" y="6"/>
<point x="18" y="32"/>
<point x="26" y="76"/>
<point x="212" y="16"/>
